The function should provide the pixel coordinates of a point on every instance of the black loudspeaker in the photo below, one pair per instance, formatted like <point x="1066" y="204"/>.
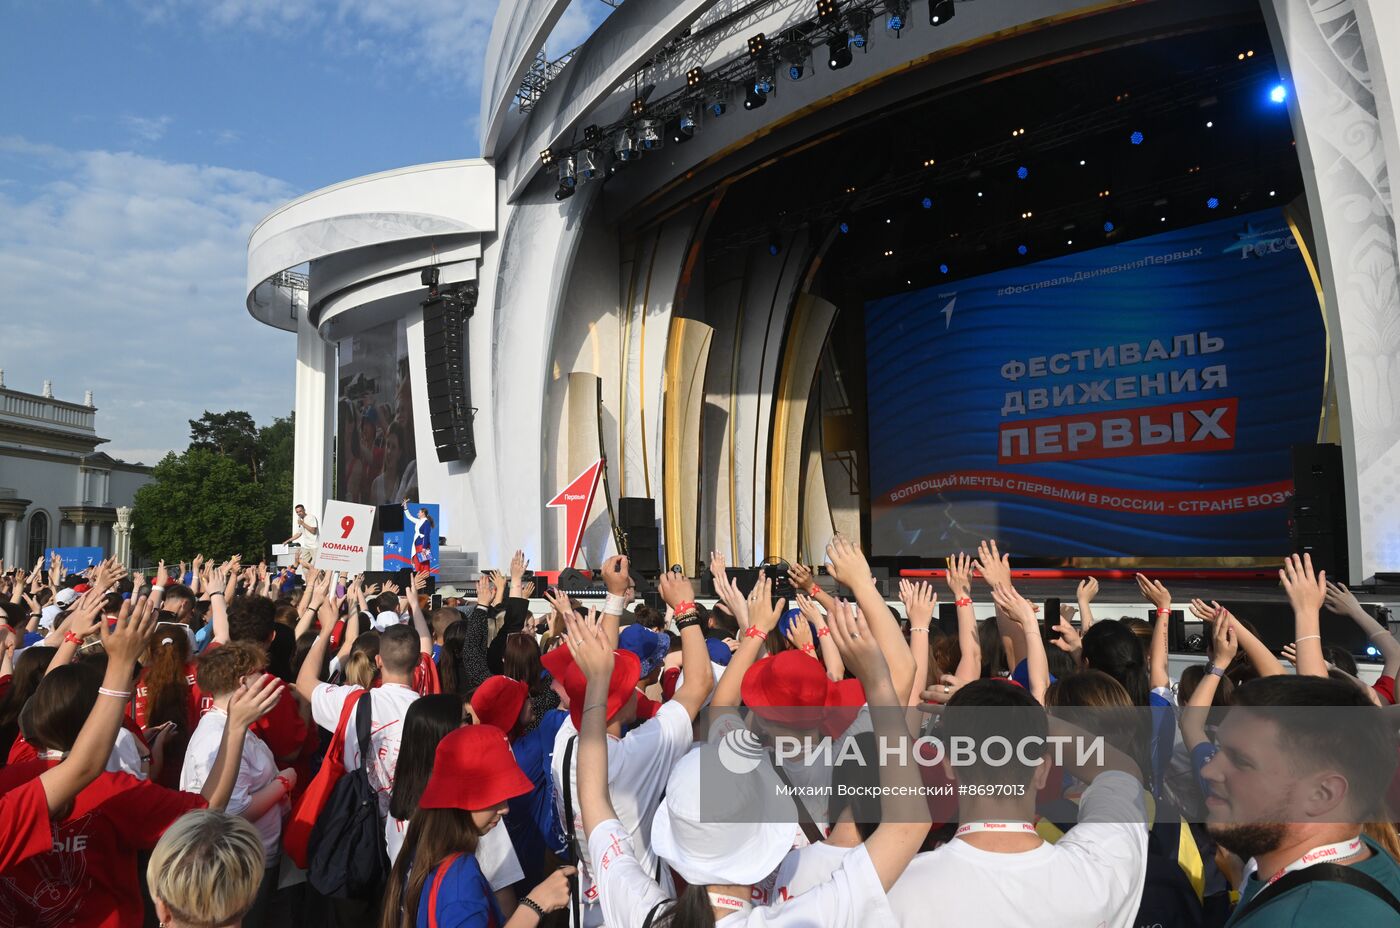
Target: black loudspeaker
<point x="1273" y="623"/>
<point x="445" y="346"/>
<point x="636" y="511"/>
<point x="1317" y="524"/>
<point x="743" y="578"/>
<point x="389" y="518"/>
<point x="948" y="619"/>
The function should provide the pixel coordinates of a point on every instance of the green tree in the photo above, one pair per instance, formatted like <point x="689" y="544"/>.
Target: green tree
<point x="229" y="493"/>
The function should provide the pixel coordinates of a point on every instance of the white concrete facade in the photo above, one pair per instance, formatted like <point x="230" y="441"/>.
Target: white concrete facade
<point x="56" y="489"/>
<point x="592" y="283"/>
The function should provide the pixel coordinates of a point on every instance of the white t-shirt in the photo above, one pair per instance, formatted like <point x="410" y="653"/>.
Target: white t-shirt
<point x="257" y="769"/>
<point x="1092" y="877"/>
<point x="388" y="706"/>
<point x="494" y="852"/>
<point x="638" y="767"/>
<point x="804" y="868"/>
<point x="852" y="897"/>
<point x="307" y="538"/>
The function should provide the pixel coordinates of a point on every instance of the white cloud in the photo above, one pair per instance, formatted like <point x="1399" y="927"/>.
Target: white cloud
<point x="147" y="128"/>
<point x="123" y="274"/>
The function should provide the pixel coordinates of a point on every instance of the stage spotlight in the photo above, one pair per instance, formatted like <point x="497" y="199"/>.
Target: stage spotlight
<point x="940" y="11"/>
<point x="694" y="76"/>
<point x="942" y="268"/>
<point x="775" y="246"/>
<point x="827" y="11"/>
<point x="843" y="228"/>
<point x="1278" y="94"/>
<point x="926" y="203"/>
<point x="1021" y="249"/>
<point x="590" y="163"/>
<point x="1108" y="226"/>
<point x="897" y="13"/>
<point x="1213" y="203"/>
<point x="563" y="193"/>
<point x="1023" y="172"/>
<point x="753" y="99"/>
<point x="677" y="131"/>
<point x="763" y="79"/>
<point x="717" y="100"/>
<point x="795" y="56"/>
<point x="858" y="22"/>
<point x="626" y="146"/>
<point x="649" y="134"/>
<point x="757" y="45"/>
<point x="639" y="106"/>
<point x="568" y="172"/>
<point x="546" y="157"/>
<point x="1136" y="138"/>
<point x="838" y="51"/>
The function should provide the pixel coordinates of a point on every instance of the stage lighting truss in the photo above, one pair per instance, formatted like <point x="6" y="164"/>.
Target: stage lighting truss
<point x="625" y="148"/>
<point x="795" y="57"/>
<point x="763" y="78"/>
<point x="649" y="134"/>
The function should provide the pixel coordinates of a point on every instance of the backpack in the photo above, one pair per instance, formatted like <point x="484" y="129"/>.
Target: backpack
<point x="346" y="854"/>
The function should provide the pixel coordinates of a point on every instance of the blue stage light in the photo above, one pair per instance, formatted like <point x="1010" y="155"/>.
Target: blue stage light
<point x="1278" y="94"/>
<point x="1023" y="172"/>
<point x="795" y="72"/>
<point x="895" y="22"/>
<point x="926" y="203"/>
<point x="1213" y="203"/>
<point x="844" y="227"/>
<point x="1021" y="249"/>
<point x="1136" y="138"/>
<point x="1108" y="226"/>
<point x="942" y="268"/>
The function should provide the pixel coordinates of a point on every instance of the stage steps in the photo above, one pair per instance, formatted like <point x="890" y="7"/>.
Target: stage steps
<point x="456" y="566"/>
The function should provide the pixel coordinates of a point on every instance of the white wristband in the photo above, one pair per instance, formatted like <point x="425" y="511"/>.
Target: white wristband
<point x="614" y="605"/>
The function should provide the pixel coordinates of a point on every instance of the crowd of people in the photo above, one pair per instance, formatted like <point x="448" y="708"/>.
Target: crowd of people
<point x="227" y="744"/>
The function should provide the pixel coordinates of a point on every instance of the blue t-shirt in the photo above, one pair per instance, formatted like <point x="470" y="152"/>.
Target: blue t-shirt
<point x="533" y="820"/>
<point x="464" y="899"/>
<point x="1163" y="738"/>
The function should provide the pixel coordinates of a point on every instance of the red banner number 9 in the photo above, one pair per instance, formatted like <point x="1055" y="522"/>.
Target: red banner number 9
<point x="347" y="525"/>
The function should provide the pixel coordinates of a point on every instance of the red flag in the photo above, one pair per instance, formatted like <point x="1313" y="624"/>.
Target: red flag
<point x="577" y="500"/>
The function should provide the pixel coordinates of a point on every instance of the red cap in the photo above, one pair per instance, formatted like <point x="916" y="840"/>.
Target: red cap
<point x="627" y="670"/>
<point x="498" y="701"/>
<point x="474" y="770"/>
<point x="791" y="689"/>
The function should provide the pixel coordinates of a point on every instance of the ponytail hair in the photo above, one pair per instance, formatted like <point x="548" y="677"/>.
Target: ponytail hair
<point x="359" y="668"/>
<point x="1113" y="648"/>
<point x="166" y="678"/>
<point x="433" y="836"/>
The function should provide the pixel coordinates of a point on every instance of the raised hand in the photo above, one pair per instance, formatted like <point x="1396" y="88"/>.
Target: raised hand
<point x="588" y="643"/>
<point x="1016" y="606"/>
<point x="942" y="691"/>
<point x="252" y="701"/>
<point x="126" y="639"/>
<point x="960" y="576"/>
<point x="799" y="633"/>
<point x="801" y="577"/>
<point x="518" y="563"/>
<point x="1306" y="590"/>
<point x="1341" y="600"/>
<point x="1155" y="593"/>
<point x="919" y="602"/>
<point x="848" y="563"/>
<point x="558" y="602"/>
<point x="994" y="566"/>
<point x="483" y="591"/>
<point x="858" y="648"/>
<point x="1069" y="640"/>
<point x="763" y="612"/>
<point x="391" y="587"/>
<point x="729" y="594"/>
<point x="616" y="574"/>
<point x="675" y="589"/>
<point x="1224" y="644"/>
<point x="1206" y="613"/>
<point x="419" y="581"/>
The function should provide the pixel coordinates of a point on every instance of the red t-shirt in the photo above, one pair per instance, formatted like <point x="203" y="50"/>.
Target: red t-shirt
<point x="1385" y="688"/>
<point x="24" y="824"/>
<point x="425" y="677"/>
<point x="89" y="875"/>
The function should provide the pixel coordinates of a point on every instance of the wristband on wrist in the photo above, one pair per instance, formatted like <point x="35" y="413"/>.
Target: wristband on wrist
<point x="919" y="628"/>
<point x="690" y="620"/>
<point x="823" y="632"/>
<point x="1216" y="671"/>
<point x="1374" y="635"/>
<point x="683" y="607"/>
<point x="814" y="590"/>
<point x="212" y="593"/>
<point x="286" y="783"/>
<point x="1308" y="638"/>
<point x="118" y="694"/>
<point x="72" y="638"/>
<point x="753" y="631"/>
<point x="1164" y="612"/>
<point x="614" y="604"/>
<point x="809" y="648"/>
<point x="963" y="601"/>
<point x="532" y="905"/>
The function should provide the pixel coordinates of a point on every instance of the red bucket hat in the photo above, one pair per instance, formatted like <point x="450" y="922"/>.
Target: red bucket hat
<point x="498" y="701"/>
<point x="792" y="689"/>
<point x="627" y="670"/>
<point x="474" y="770"/>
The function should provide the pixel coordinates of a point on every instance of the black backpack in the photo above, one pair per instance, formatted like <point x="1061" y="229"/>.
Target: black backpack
<point x="346" y="858"/>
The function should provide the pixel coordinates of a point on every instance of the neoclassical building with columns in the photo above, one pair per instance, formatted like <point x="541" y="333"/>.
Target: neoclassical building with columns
<point x="56" y="488"/>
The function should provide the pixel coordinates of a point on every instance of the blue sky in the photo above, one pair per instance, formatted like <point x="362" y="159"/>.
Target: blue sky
<point x="140" y="141"/>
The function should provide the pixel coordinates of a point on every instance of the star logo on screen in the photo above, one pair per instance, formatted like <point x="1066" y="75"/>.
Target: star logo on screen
<point x="1255" y="242"/>
<point x="947" y="311"/>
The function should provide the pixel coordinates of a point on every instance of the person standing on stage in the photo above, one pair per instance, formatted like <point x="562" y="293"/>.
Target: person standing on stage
<point x="423" y="528"/>
<point x="306" y="531"/>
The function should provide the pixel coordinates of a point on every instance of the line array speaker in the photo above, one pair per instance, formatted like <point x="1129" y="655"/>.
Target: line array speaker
<point x="1317" y="523"/>
<point x="637" y="516"/>
<point x="445" y="315"/>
